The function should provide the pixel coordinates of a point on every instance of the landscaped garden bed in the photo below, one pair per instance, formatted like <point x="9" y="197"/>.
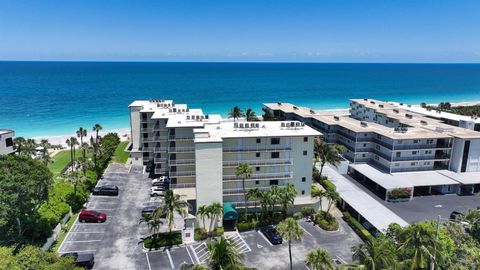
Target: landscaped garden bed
<point x="163" y="240"/>
<point x="202" y="234"/>
<point x="399" y="195"/>
<point x="326" y="221"/>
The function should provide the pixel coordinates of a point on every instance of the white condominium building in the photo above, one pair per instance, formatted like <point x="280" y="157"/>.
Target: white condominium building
<point x="6" y="141"/>
<point x="201" y="152"/>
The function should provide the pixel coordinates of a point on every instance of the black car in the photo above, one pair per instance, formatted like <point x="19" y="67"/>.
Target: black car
<point x="272" y="235"/>
<point x="81" y="259"/>
<point x="106" y="190"/>
<point x="146" y="211"/>
<point x="455" y="215"/>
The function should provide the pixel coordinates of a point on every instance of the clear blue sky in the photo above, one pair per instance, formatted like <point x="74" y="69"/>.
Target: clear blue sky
<point x="243" y="30"/>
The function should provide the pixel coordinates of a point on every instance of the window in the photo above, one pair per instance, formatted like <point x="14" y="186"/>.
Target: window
<point x="413" y="164"/>
<point x="273" y="182"/>
<point x="415" y="141"/>
<point x="257" y="182"/>
<point x="303" y="192"/>
<point x="426" y="163"/>
<point x="305" y="152"/>
<point x="376" y="157"/>
<point x="399" y="141"/>
<point x="257" y="154"/>
<point x="429" y="141"/>
<point x="398" y="154"/>
<point x="364" y="155"/>
<point x="305" y="139"/>
<point x="364" y="145"/>
<point x="259" y="140"/>
<point x="257" y="169"/>
<point x="377" y="147"/>
<point x="304" y="179"/>
<point x="397" y="164"/>
<point x="275" y="154"/>
<point x="9" y="142"/>
<point x="428" y="152"/>
<point x="414" y="152"/>
<point x="275" y="140"/>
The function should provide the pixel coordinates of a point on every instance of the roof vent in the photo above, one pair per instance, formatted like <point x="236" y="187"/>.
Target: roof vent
<point x="380" y="105"/>
<point x="247" y="125"/>
<point x="235" y="125"/>
<point x="409" y="116"/>
<point x="295" y="107"/>
<point x="282" y="124"/>
<point x="423" y="122"/>
<point x="279" y="103"/>
<point x="395" y="111"/>
<point x="372" y="102"/>
<point x="312" y="111"/>
<point x="240" y="125"/>
<point x="336" y="118"/>
<point x="365" y="99"/>
<point x="363" y="124"/>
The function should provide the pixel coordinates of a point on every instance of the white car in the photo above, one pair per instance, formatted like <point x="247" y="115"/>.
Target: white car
<point x="157" y="191"/>
<point x="161" y="179"/>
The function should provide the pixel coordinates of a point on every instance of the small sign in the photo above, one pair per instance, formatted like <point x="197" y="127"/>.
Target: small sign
<point x="188" y="235"/>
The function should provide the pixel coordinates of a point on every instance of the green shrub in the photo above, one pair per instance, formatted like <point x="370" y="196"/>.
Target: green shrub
<point x="399" y="193"/>
<point x="163" y="240"/>
<point x="307" y="211"/>
<point x="56" y="207"/>
<point x="202" y="234"/>
<point x="246" y="226"/>
<point x="297" y="215"/>
<point x="357" y="227"/>
<point x="328" y="185"/>
<point x="249" y="217"/>
<point x="326" y="221"/>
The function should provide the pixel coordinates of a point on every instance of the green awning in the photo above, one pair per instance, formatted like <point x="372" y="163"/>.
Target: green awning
<point x="229" y="212"/>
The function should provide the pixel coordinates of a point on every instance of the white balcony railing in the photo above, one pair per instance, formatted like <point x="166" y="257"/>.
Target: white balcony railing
<point x="159" y="160"/>
<point x="180" y="174"/>
<point x="257" y="149"/>
<point x="180" y="137"/>
<point x="181" y="161"/>
<point x="258" y="162"/>
<point x="260" y="176"/>
<point x="186" y="185"/>
<point x="181" y="149"/>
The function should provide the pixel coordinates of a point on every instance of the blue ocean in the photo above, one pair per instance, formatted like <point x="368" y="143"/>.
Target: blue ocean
<point x="55" y="98"/>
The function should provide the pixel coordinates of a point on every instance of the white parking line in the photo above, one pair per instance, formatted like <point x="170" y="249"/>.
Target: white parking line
<point x="170" y="259"/>
<point x="189" y="255"/>
<point x="87" y="232"/>
<point x="148" y="261"/>
<point x="83" y="241"/>
<point x="263" y="236"/>
<point x="68" y="233"/>
<point x="79" y="251"/>
<point x="305" y="230"/>
<point x="195" y="254"/>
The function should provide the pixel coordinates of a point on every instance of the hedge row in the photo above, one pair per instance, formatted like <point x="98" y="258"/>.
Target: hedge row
<point x="201" y="234"/>
<point x="357" y="227"/>
<point x="328" y="185"/>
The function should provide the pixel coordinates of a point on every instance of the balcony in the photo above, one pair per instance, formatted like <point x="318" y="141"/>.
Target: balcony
<point x="180" y="138"/>
<point x="158" y="128"/>
<point x="147" y="149"/>
<point x="239" y="191"/>
<point x="159" y="149"/>
<point x="148" y="140"/>
<point x="258" y="162"/>
<point x="186" y="185"/>
<point x="181" y="174"/>
<point x="346" y="135"/>
<point x="257" y="149"/>
<point x="181" y="149"/>
<point x="160" y="138"/>
<point x="419" y="146"/>
<point x="159" y="160"/>
<point x="161" y="171"/>
<point x="181" y="162"/>
<point x="382" y="155"/>
<point x="416" y="158"/>
<point x="265" y="176"/>
<point x="382" y="143"/>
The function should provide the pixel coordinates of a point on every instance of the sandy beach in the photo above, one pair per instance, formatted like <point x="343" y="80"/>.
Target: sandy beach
<point x="123" y="133"/>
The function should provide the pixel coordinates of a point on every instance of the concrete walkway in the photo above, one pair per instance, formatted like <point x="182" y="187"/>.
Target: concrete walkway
<point x="372" y="210"/>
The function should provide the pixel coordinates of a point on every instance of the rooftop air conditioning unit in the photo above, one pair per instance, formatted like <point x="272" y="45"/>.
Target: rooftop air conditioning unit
<point x="312" y="111"/>
<point x="292" y="124"/>
<point x="287" y="125"/>
<point x="241" y="125"/>
<point x="282" y="124"/>
<point x="395" y="111"/>
<point x="188" y="117"/>
<point x="247" y="125"/>
<point x="372" y="102"/>
<point x="295" y="107"/>
<point x="365" y="99"/>
<point x="206" y="116"/>
<point x="423" y="122"/>
<point x="235" y="125"/>
<point x="336" y="118"/>
<point x="363" y="124"/>
<point x="279" y="103"/>
<point x="297" y="124"/>
<point x="303" y="124"/>
<point x="409" y="116"/>
<point x="380" y="105"/>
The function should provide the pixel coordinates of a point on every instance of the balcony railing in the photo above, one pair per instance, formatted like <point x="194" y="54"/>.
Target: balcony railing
<point x="239" y="191"/>
<point x="147" y="149"/>
<point x="180" y="174"/>
<point x="161" y="171"/>
<point x="418" y="146"/>
<point x="181" y="149"/>
<point x="159" y="160"/>
<point x="266" y="162"/>
<point x="146" y="129"/>
<point x="181" y="161"/>
<point x="257" y="149"/>
<point x="382" y="143"/>
<point x="159" y="149"/>
<point x="382" y="155"/>
<point x="159" y="138"/>
<point x="265" y="176"/>
<point x="414" y="158"/>
<point x="180" y="138"/>
<point x="186" y="185"/>
<point x="346" y="135"/>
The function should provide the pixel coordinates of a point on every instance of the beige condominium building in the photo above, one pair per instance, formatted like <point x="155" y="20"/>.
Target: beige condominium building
<point x="200" y="152"/>
<point x="6" y="141"/>
<point x="392" y="146"/>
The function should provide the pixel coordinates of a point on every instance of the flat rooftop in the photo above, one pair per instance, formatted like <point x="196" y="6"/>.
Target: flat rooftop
<point x="230" y="129"/>
<point x="404" y="179"/>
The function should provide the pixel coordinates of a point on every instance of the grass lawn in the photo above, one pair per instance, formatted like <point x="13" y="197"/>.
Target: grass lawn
<point x="120" y="155"/>
<point x="63" y="233"/>
<point x="60" y="160"/>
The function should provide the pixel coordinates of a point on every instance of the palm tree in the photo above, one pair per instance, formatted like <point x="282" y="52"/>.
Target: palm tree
<point x="69" y="142"/>
<point x="377" y="253"/>
<point x="73" y="142"/>
<point x="289" y="229"/>
<point x="318" y="193"/>
<point x="202" y="212"/>
<point x="84" y="162"/>
<point x="46" y="159"/>
<point x="327" y="153"/>
<point x="235" y="113"/>
<point x="29" y="147"/>
<point x="287" y="197"/>
<point x="319" y="259"/>
<point x="45" y="145"/>
<point x="254" y="194"/>
<point x="274" y="195"/>
<point x="19" y="142"/>
<point x="223" y="255"/>
<point x="75" y="178"/>
<point x="215" y="209"/>
<point x="153" y="224"/>
<point x="250" y="115"/>
<point x="81" y="132"/>
<point x="95" y="151"/>
<point x="418" y="242"/>
<point x="171" y="204"/>
<point x="264" y="200"/>
<point x="96" y="128"/>
<point x="333" y="197"/>
<point x="244" y="171"/>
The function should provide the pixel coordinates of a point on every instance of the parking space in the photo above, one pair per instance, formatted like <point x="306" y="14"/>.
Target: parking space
<point x="172" y="258"/>
<point x="264" y="255"/>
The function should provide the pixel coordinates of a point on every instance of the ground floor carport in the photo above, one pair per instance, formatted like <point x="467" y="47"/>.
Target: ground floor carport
<point x="469" y="181"/>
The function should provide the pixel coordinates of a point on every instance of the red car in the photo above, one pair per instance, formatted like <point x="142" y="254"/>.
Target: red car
<point x="92" y="216"/>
